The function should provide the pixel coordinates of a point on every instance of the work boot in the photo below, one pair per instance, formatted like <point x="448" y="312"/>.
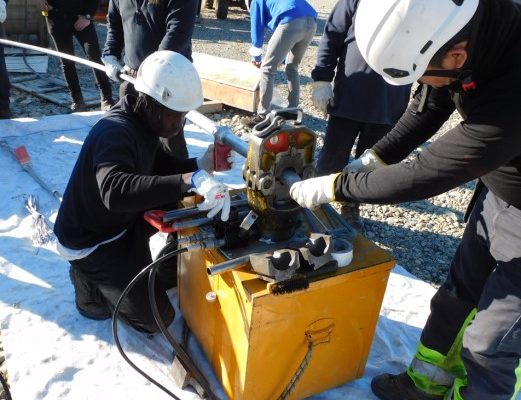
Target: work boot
<point x="106" y="101"/>
<point x="106" y="104"/>
<point x="398" y="387"/>
<point x="351" y="213"/>
<point x="78" y="106"/>
<point x="5" y="113"/>
<point x="89" y="301"/>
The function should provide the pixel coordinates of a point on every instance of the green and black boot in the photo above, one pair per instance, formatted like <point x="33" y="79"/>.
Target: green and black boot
<point x="398" y="387"/>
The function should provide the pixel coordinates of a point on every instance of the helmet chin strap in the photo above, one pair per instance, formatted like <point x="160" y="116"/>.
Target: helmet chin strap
<point x="462" y="78"/>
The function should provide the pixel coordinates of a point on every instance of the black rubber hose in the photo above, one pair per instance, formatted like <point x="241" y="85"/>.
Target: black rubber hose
<point x="5" y="386"/>
<point x="184" y="357"/>
<point x="143" y="272"/>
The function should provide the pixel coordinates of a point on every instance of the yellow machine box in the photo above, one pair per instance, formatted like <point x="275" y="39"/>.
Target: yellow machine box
<point x="265" y="346"/>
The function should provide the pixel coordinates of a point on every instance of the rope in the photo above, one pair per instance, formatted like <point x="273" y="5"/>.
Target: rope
<point x="298" y="373"/>
<point x="40" y="233"/>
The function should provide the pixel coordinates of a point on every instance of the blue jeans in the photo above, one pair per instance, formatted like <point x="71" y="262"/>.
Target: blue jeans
<point x="291" y="40"/>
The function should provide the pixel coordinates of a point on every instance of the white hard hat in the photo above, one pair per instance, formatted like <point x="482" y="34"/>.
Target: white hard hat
<point x="398" y="38"/>
<point x="171" y="79"/>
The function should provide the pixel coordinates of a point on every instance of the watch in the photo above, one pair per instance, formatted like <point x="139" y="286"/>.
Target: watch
<point x="88" y="16"/>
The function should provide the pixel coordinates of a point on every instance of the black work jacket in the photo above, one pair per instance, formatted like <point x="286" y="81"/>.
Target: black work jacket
<point x="360" y="93"/>
<point x="486" y="145"/>
<point x="121" y="171"/>
<point x="141" y="27"/>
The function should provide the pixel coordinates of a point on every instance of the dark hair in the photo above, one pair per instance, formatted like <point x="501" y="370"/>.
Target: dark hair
<point x="148" y="109"/>
<point x="463" y="34"/>
<point x="144" y="103"/>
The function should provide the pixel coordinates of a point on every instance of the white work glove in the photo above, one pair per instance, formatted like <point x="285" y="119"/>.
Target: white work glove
<point x="112" y="67"/>
<point x="321" y="95"/>
<point x="215" y="193"/>
<point x="310" y="193"/>
<point x="207" y="161"/>
<point x="233" y="159"/>
<point x="368" y="161"/>
<point x="256" y="53"/>
<point x="3" y="11"/>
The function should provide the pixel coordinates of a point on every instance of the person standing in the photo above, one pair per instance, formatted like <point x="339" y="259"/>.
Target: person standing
<point x="73" y="18"/>
<point x="467" y="56"/>
<point x="360" y="103"/>
<point x="5" y="111"/>
<point x="139" y="28"/>
<point x="293" y="23"/>
<point x="121" y="172"/>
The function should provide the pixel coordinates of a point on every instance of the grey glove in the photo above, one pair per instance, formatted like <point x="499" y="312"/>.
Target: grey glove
<point x="311" y="193"/>
<point x="368" y="161"/>
<point x="322" y="95"/>
<point x="3" y="11"/>
<point x="112" y="67"/>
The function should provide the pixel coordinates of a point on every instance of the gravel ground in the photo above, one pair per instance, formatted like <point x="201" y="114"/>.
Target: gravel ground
<point x="421" y="235"/>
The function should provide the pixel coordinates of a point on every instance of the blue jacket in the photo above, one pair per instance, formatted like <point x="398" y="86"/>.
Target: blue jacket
<point x="271" y="13"/>
<point x="360" y="93"/>
<point x="140" y="27"/>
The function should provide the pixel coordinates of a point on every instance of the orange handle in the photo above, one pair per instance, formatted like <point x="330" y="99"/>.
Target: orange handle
<point x="155" y="218"/>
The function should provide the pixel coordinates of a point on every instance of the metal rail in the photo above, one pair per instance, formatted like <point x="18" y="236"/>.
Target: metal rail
<point x="222" y="133"/>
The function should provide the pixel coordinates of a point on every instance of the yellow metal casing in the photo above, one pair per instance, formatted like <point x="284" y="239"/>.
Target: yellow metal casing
<point x="256" y="341"/>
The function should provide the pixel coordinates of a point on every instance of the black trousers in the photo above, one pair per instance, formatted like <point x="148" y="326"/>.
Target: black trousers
<point x="113" y="265"/>
<point x="485" y="276"/>
<point x="341" y="134"/>
<point x="175" y="145"/>
<point x="4" y="76"/>
<point x="61" y="28"/>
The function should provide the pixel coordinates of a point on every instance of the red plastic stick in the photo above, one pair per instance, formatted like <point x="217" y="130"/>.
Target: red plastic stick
<point x="22" y="155"/>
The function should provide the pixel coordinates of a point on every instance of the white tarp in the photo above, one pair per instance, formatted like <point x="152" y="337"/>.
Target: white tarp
<point x="54" y="353"/>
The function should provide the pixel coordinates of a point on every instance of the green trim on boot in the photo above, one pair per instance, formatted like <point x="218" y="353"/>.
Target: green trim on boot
<point x="440" y="366"/>
<point x="517" y="388"/>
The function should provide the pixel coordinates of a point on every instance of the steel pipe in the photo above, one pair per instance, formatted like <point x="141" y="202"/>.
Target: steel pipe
<point x="222" y="133"/>
<point x="79" y="60"/>
<point x="228" y="265"/>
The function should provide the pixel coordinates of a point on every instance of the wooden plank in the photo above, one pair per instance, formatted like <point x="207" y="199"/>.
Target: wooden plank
<point x="229" y="95"/>
<point x="210" y="106"/>
<point x="234" y="83"/>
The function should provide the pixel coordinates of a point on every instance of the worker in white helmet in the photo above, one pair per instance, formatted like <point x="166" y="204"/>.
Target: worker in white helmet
<point x="467" y="55"/>
<point x="135" y="29"/>
<point x="122" y="171"/>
